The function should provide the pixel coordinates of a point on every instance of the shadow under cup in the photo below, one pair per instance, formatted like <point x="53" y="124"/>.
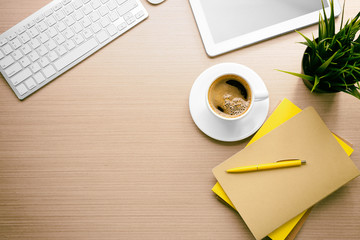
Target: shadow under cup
<point x="229" y="97"/>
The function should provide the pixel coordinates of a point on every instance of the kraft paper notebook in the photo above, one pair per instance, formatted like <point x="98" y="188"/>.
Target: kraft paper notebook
<point x="283" y="112"/>
<point x="268" y="199"/>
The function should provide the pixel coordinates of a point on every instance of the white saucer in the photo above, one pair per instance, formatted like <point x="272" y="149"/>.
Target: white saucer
<point x="219" y="129"/>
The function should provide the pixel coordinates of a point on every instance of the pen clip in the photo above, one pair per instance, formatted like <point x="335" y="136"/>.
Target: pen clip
<point x="288" y="159"/>
<point x="291" y="159"/>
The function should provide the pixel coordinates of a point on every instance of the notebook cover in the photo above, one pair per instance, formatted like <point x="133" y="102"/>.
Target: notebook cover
<point x="268" y="199"/>
<point x="283" y="112"/>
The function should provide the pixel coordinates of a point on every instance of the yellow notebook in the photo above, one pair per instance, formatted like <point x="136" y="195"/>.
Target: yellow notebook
<point x="285" y="110"/>
<point x="268" y="199"/>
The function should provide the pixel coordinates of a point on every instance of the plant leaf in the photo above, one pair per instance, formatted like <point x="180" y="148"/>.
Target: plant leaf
<point x="322" y="21"/>
<point x="323" y="66"/>
<point x="310" y="43"/>
<point x="304" y="76"/>
<point x="316" y="82"/>
<point x="352" y="90"/>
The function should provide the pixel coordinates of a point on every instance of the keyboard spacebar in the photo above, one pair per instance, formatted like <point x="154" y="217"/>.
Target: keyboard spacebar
<point x="75" y="54"/>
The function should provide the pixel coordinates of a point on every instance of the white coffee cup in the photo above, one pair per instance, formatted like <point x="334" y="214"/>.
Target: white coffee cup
<point x="246" y="77"/>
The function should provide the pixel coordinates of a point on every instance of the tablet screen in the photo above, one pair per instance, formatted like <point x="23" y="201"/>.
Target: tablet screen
<point x="230" y="18"/>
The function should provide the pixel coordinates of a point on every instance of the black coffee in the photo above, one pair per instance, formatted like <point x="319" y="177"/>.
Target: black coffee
<point x="229" y="96"/>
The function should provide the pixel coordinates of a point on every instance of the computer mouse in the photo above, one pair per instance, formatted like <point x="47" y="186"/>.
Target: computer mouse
<point x="155" y="1"/>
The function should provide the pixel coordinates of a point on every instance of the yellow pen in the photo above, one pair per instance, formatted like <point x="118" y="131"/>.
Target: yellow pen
<point x="267" y="166"/>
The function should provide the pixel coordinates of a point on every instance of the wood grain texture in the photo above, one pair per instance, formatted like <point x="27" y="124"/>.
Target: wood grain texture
<point x="109" y="150"/>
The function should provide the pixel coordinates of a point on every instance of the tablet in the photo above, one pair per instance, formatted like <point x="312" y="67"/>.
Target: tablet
<point x="226" y="25"/>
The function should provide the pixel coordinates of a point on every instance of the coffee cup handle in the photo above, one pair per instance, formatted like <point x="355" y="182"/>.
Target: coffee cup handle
<point x="260" y="96"/>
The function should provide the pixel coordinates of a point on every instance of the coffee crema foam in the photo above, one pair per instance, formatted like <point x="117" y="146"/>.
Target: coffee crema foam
<point x="229" y="96"/>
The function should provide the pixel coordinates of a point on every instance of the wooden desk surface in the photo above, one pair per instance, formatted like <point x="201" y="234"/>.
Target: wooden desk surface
<point x="109" y="149"/>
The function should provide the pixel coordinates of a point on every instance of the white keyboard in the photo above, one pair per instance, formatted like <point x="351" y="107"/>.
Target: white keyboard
<point x="60" y="35"/>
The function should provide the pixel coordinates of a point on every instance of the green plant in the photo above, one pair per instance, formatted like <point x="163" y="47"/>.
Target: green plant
<point x="331" y="62"/>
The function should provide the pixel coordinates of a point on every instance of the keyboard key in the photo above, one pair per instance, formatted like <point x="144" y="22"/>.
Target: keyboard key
<point x="3" y="41"/>
<point x="111" y="5"/>
<point x="25" y="61"/>
<point x="78" y="39"/>
<point x="96" y="27"/>
<point x="69" y="21"/>
<point x="52" y="56"/>
<point x="33" y="32"/>
<point x="35" y="67"/>
<point x="30" y="24"/>
<point x="51" y="21"/>
<point x="51" y="45"/>
<point x="68" y="33"/>
<point x="112" y="30"/>
<point x="22" y="89"/>
<point x="66" y="2"/>
<point x="21" y="29"/>
<point x="87" y="33"/>
<point x="21" y="76"/>
<point x="13" y="69"/>
<point x="78" y="15"/>
<point x="42" y="50"/>
<point x="7" y="49"/>
<point x="128" y="15"/>
<point x="126" y="7"/>
<point x="121" y="1"/>
<point x="60" y="26"/>
<point x="87" y="9"/>
<point x="61" y="50"/>
<point x="43" y="38"/>
<point x="39" y="77"/>
<point x="77" y="4"/>
<point x="122" y="26"/>
<point x="7" y="61"/>
<point x="11" y="36"/>
<point x="139" y="14"/>
<point x="70" y="44"/>
<point x="25" y="49"/>
<point x="49" y="12"/>
<point x="42" y="26"/>
<point x="17" y="55"/>
<point x="15" y="43"/>
<point x="34" y="43"/>
<point x="95" y="4"/>
<point x="104" y="22"/>
<point x="94" y="16"/>
<point x="85" y="22"/>
<point x="52" y="32"/>
<point x="77" y="27"/>
<point x="33" y="56"/>
<point x="2" y="55"/>
<point x="74" y="55"/>
<point x="103" y="10"/>
<point x="49" y="71"/>
<point x="102" y="36"/>
<point x="57" y="7"/>
<point x="129" y="18"/>
<point x="39" y="18"/>
<point x="44" y="61"/>
<point x="30" y="83"/>
<point x="68" y="9"/>
<point x="24" y="37"/>
<point x="59" y="39"/>
<point x="113" y="16"/>
<point x="60" y="15"/>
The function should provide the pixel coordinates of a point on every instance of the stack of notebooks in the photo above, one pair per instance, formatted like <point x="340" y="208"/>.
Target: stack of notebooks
<point x="275" y="203"/>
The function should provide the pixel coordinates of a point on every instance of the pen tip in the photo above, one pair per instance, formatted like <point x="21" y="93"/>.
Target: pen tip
<point x="303" y="162"/>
